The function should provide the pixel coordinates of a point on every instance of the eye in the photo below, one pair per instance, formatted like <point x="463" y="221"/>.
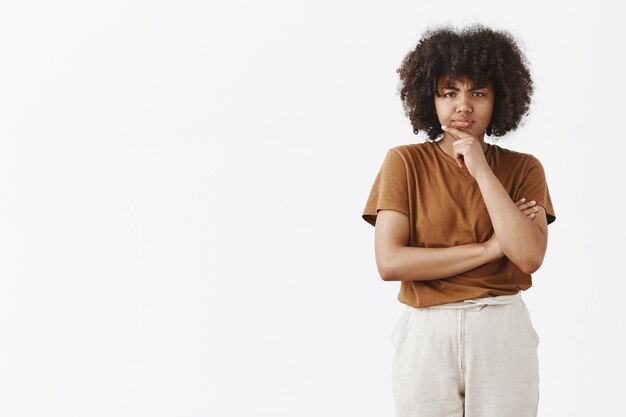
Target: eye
<point x="451" y="94"/>
<point x="479" y="94"/>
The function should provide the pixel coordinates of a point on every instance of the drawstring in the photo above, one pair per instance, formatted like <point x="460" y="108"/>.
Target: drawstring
<point x="479" y="303"/>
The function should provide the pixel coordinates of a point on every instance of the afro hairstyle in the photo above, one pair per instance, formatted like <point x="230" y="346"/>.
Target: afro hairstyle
<point x="475" y="52"/>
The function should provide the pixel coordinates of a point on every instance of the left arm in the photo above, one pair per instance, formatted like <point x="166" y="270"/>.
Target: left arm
<point x="522" y="240"/>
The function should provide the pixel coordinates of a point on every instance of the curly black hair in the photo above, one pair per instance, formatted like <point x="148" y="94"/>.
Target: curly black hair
<point x="476" y="52"/>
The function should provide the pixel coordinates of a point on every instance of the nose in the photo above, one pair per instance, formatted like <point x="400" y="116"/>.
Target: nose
<point x="464" y="105"/>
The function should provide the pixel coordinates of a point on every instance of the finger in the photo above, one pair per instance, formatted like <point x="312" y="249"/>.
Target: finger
<point x="456" y="133"/>
<point x="530" y="204"/>
<point x="530" y="212"/>
<point x="523" y="206"/>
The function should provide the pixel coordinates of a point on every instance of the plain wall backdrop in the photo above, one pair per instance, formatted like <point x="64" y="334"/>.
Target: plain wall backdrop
<point x="181" y="188"/>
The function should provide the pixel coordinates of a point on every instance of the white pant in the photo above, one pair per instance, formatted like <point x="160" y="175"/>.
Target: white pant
<point x="476" y="358"/>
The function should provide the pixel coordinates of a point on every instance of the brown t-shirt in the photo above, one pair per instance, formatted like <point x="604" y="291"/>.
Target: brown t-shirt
<point x="445" y="208"/>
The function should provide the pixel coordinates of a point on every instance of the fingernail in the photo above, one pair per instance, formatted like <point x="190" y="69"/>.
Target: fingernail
<point x="533" y="202"/>
<point x="523" y="199"/>
<point x="444" y="127"/>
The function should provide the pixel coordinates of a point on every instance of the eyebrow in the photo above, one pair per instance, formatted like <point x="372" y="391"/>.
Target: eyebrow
<point x="451" y="87"/>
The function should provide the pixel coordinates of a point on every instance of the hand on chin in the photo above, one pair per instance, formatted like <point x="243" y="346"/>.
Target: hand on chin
<point x="468" y="150"/>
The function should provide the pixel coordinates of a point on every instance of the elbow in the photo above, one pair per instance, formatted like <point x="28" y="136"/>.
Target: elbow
<point x="386" y="273"/>
<point x="530" y="266"/>
<point x="528" y="261"/>
<point x="534" y="258"/>
<point x="386" y="270"/>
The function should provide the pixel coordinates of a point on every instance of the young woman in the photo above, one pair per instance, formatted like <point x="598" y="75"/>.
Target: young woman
<point x="462" y="224"/>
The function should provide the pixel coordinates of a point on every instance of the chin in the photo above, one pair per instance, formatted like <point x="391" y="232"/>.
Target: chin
<point x="478" y="131"/>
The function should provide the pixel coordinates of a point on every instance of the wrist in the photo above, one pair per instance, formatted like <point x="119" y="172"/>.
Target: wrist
<point x="483" y="175"/>
<point x="492" y="250"/>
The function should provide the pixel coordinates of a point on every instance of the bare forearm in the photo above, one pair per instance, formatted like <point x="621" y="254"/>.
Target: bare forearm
<point x="421" y="264"/>
<point x="519" y="238"/>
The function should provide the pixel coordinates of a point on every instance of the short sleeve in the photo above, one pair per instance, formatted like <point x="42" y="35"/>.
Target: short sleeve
<point x="389" y="190"/>
<point x="534" y="187"/>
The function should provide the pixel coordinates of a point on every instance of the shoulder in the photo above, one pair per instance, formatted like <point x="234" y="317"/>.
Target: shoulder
<point x="407" y="162"/>
<point x="509" y="157"/>
<point x="411" y="151"/>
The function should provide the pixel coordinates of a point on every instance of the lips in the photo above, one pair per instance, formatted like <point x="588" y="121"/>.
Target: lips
<point x="462" y="122"/>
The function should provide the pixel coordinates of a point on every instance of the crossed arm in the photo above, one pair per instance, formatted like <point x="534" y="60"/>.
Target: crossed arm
<point x="521" y="233"/>
<point x="522" y="240"/>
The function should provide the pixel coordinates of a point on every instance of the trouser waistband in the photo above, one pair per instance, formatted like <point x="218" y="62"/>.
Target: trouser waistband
<point x="474" y="302"/>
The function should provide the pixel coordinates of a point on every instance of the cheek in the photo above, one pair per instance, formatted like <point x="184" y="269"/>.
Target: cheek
<point x="487" y="109"/>
<point x="440" y="108"/>
<point x="490" y="106"/>
<point x="441" y="115"/>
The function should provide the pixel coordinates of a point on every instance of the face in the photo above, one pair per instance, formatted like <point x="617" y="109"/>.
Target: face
<point x="463" y="105"/>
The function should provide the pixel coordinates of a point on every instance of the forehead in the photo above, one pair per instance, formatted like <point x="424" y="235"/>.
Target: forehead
<point x="461" y="82"/>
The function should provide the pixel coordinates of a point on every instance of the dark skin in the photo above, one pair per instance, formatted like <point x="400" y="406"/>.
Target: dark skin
<point x="465" y="111"/>
<point x="458" y="100"/>
<point x="522" y="238"/>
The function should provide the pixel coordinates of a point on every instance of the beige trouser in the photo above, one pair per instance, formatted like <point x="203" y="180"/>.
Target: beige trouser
<point x="476" y="358"/>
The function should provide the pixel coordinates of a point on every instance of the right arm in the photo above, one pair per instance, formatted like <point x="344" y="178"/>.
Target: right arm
<point x="398" y="262"/>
